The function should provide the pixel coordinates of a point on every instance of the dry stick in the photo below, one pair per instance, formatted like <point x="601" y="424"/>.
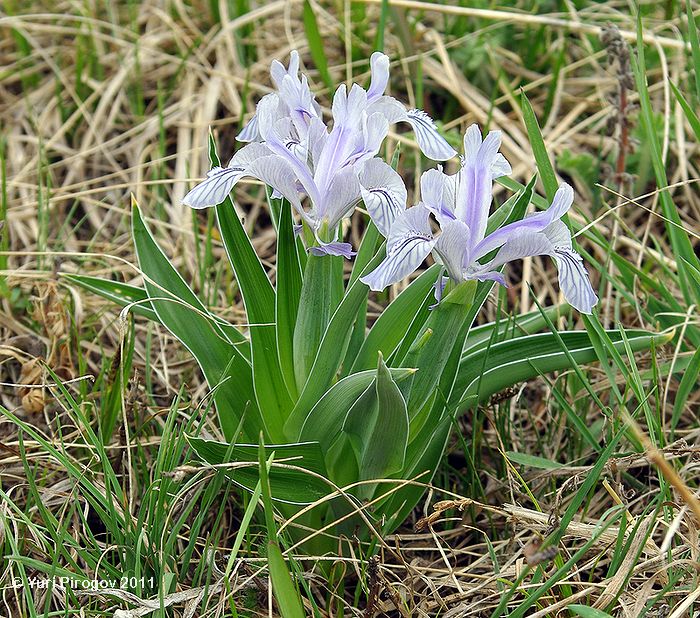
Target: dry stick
<point x="619" y="54"/>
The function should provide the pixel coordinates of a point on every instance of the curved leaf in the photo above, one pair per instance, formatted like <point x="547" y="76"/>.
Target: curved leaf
<point x="293" y="486"/>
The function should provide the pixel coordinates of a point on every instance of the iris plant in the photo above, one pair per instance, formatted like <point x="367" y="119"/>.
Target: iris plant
<point x="306" y="373"/>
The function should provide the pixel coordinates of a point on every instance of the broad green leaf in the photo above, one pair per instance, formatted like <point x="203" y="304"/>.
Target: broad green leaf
<point x="391" y="326"/>
<point x="444" y="327"/>
<point x="377" y="425"/>
<point x="544" y="165"/>
<point x="289" y="281"/>
<point x="323" y="423"/>
<point x="256" y="289"/>
<point x="331" y="351"/>
<point x="525" y="324"/>
<point x="316" y="306"/>
<point x="533" y="461"/>
<point x="258" y="295"/>
<point x="185" y="317"/>
<point x="484" y="373"/>
<point x="123" y="294"/>
<point x="288" y="485"/>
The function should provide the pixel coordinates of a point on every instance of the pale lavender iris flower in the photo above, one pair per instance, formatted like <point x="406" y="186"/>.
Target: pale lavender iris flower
<point x="460" y="204"/>
<point x="293" y="151"/>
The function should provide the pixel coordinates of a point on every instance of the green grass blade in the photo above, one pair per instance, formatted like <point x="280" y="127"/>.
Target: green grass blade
<point x="544" y="165"/>
<point x="315" y="40"/>
<point x="682" y="247"/>
<point x="286" y="594"/>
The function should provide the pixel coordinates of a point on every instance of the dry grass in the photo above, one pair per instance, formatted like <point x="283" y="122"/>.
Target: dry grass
<point x="100" y="102"/>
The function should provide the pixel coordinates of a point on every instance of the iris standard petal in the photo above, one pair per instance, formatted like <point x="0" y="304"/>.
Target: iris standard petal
<point x="438" y="193"/>
<point x="453" y="248"/>
<point x="379" y="66"/>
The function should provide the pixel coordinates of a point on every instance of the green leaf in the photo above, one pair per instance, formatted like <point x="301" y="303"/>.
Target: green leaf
<point x="289" y="282"/>
<point x="123" y="294"/>
<point x="377" y="419"/>
<point x="532" y="461"/>
<point x="313" y="36"/>
<point x="517" y="326"/>
<point x="293" y="486"/>
<point x="258" y="295"/>
<point x="391" y="326"/>
<point x="283" y="588"/>
<point x="485" y="372"/>
<point x="186" y="318"/>
<point x="587" y="612"/>
<point x="323" y="423"/>
<point x="331" y="351"/>
<point x="544" y="165"/>
<point x="443" y="329"/>
<point x="316" y="306"/>
<point x="689" y="112"/>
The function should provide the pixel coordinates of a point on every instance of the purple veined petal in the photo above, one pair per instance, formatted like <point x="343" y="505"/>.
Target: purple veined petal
<point x="215" y="188"/>
<point x="409" y="243"/>
<point x="438" y="193"/>
<point x="298" y="228"/>
<point x="277" y="70"/>
<point x="383" y="193"/>
<point x="343" y="249"/>
<point x="573" y="280"/>
<point x="404" y="257"/>
<point x="379" y="66"/>
<point x="342" y="196"/>
<point x="453" y="248"/>
<point x="250" y="133"/>
<point x="563" y="199"/>
<point x="412" y="222"/>
<point x="432" y="144"/>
